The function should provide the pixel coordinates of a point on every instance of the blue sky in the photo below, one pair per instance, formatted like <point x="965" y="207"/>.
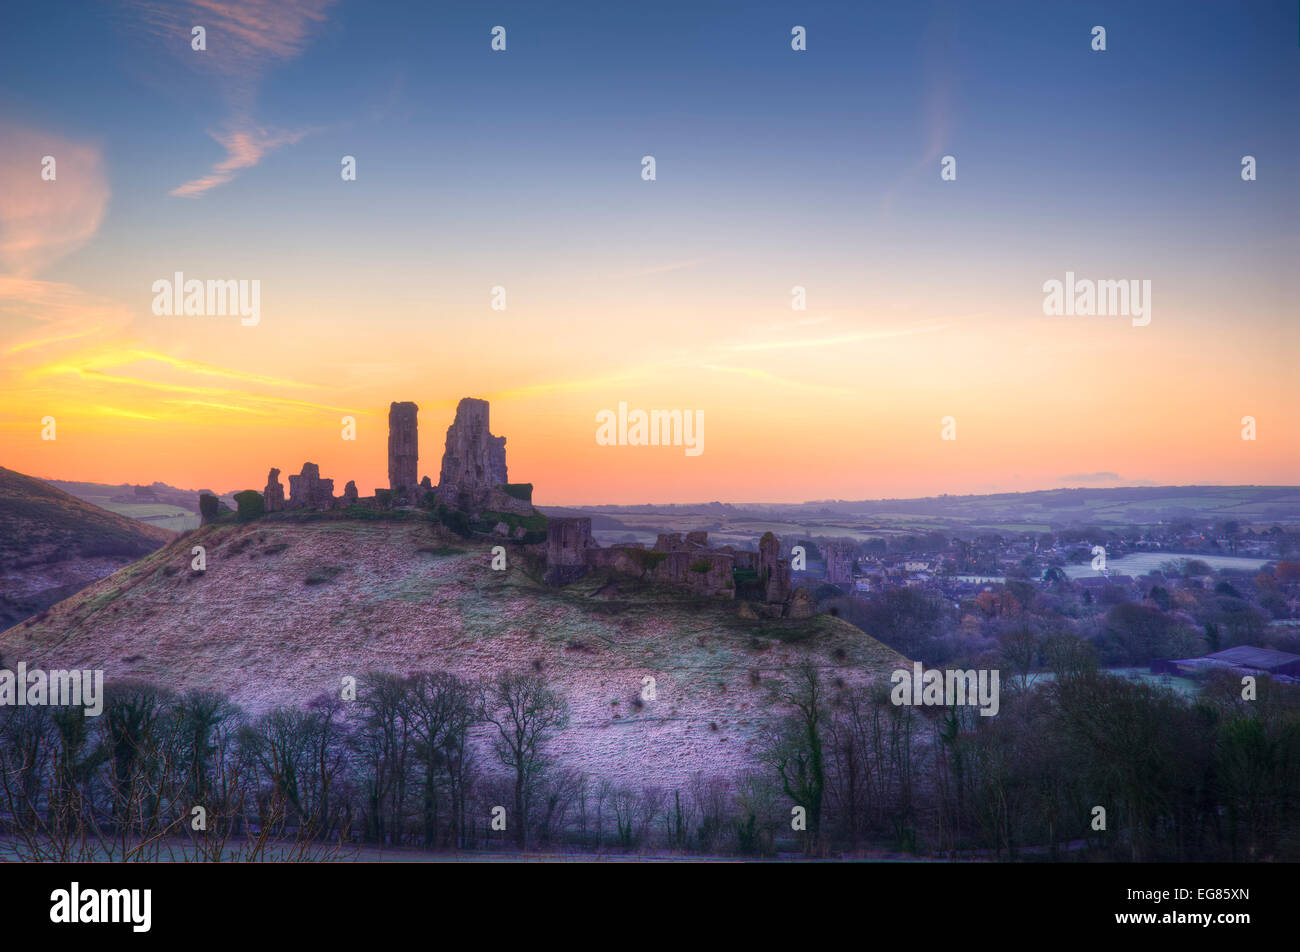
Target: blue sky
<point x="774" y="168"/>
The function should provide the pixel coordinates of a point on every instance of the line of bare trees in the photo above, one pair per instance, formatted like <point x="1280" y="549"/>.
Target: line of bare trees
<point x="1215" y="777"/>
<point x="433" y="762"/>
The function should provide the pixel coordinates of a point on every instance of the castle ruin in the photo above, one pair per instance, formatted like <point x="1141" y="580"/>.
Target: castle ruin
<point x="308" y="491"/>
<point x="473" y="479"/>
<point x="688" y="562"/>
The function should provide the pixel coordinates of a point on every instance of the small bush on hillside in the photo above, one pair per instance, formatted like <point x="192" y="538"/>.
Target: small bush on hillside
<point x="455" y="520"/>
<point x="323" y="574"/>
<point x="521" y="491"/>
<point x="251" y="505"/>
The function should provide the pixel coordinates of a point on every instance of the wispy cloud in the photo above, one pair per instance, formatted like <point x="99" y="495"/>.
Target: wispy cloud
<point x="244" y="147"/>
<point x="938" y="57"/>
<point x="107" y="379"/>
<point x="101" y="410"/>
<point x="142" y="383"/>
<point x="46" y="341"/>
<point x="772" y="378"/>
<point x="244" y="38"/>
<point x="658" y="269"/>
<point x="799" y="343"/>
<point x="572" y="385"/>
<point x="803" y="322"/>
<point x="41" y="221"/>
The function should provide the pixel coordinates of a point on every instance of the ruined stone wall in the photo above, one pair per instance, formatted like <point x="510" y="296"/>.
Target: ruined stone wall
<point x="567" y="542"/>
<point x="839" y="563"/>
<point x="688" y="563"/>
<point x="308" y="491"/>
<point x="773" y="570"/>
<point x="619" y="558"/>
<point x="715" y="580"/>
<point x="668" y="542"/>
<point x="742" y="558"/>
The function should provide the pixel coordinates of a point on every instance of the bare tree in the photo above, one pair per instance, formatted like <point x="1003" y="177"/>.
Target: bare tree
<point x="440" y="708"/>
<point x="795" y="747"/>
<point x="525" y="713"/>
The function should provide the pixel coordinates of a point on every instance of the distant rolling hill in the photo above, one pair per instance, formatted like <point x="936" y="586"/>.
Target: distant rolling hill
<point x="53" y="544"/>
<point x="285" y="610"/>
<point x="157" y="504"/>
<point x="1041" y="511"/>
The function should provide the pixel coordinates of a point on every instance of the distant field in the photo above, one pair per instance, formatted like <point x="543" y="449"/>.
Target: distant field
<point x="156" y="514"/>
<point x="1184" y="686"/>
<point x="1006" y="513"/>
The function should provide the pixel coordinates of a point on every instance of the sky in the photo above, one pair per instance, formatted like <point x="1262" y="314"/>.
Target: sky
<point x="775" y="168"/>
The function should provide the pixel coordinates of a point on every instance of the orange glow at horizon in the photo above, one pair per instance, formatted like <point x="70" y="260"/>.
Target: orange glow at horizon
<point x="811" y="421"/>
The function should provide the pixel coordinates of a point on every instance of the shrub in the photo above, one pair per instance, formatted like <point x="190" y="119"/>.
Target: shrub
<point x="701" y="567"/>
<point x="646" y="559"/>
<point x="251" y="505"/>
<point x="455" y="520"/>
<point x="326" y="573"/>
<point x="522" y="491"/>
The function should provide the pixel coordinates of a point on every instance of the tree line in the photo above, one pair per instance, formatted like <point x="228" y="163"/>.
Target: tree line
<point x="431" y="761"/>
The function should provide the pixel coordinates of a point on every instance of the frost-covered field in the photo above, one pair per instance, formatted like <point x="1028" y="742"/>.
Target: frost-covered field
<point x="285" y="611"/>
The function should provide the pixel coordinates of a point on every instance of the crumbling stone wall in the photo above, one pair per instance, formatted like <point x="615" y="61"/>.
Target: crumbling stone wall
<point x="308" y="491"/>
<point x="839" y="563"/>
<point x="773" y="570"/>
<point x="567" y="542"/>
<point x="705" y="573"/>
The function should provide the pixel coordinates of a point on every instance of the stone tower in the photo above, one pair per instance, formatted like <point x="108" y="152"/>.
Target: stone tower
<point x="475" y="460"/>
<point x="403" y="449"/>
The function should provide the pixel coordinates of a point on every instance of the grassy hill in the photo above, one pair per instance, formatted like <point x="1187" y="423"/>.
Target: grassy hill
<point x="286" y="609"/>
<point x="53" y="544"/>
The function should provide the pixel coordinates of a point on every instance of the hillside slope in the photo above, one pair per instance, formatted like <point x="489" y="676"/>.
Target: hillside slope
<point x="284" y="611"/>
<point x="52" y="544"/>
